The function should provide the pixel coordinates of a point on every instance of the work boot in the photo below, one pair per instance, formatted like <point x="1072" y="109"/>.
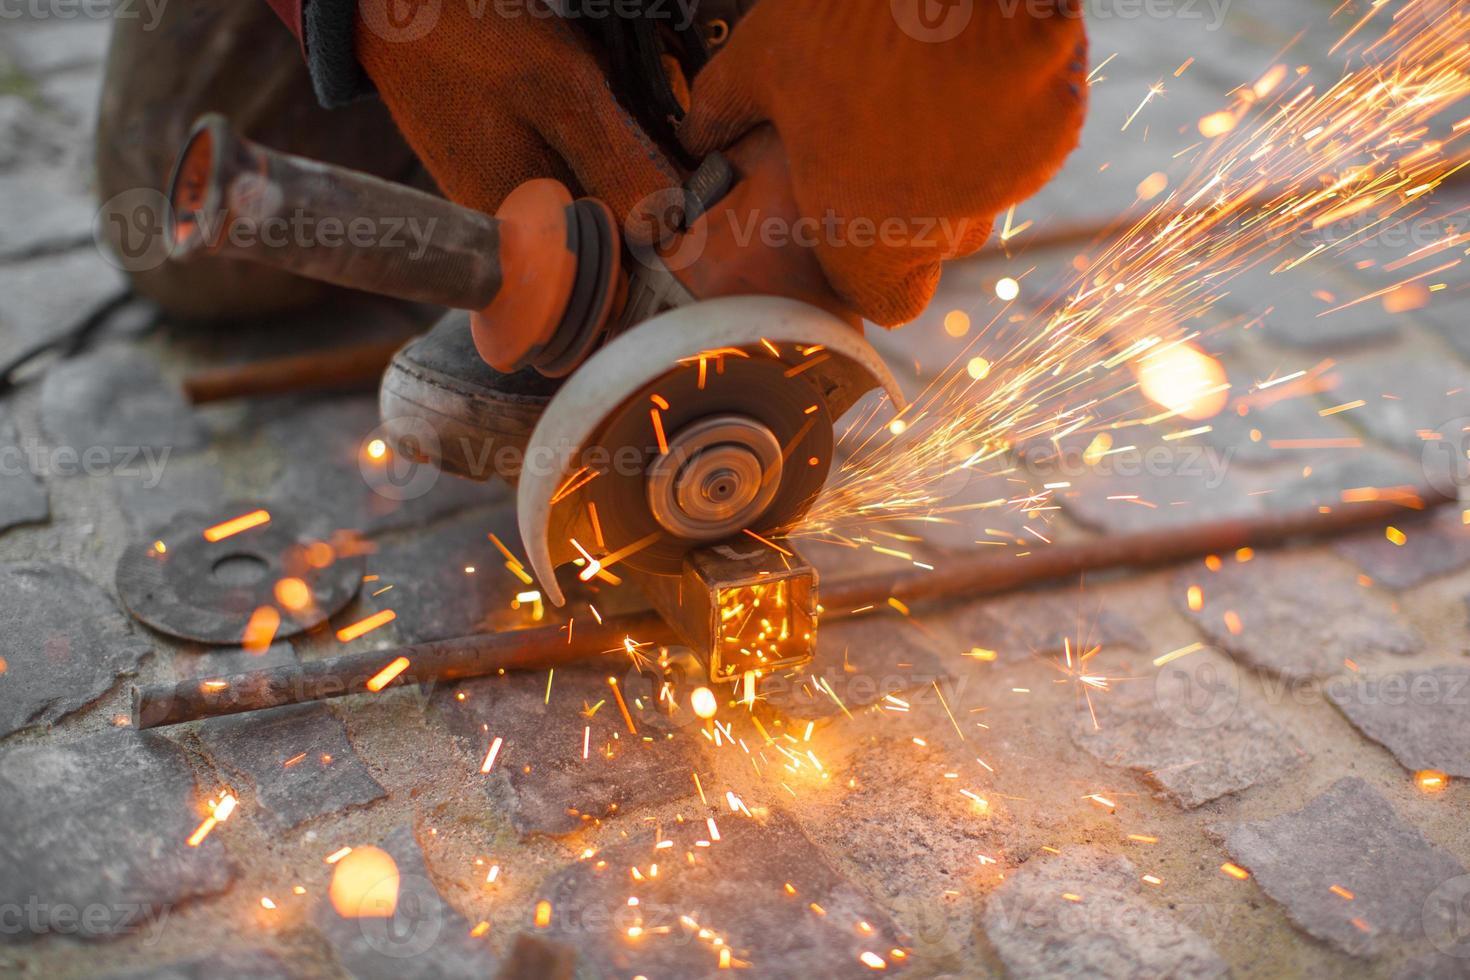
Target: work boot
<point x="442" y="404"/>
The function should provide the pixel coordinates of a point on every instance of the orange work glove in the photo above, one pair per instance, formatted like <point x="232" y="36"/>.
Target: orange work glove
<point x="906" y="136"/>
<point x="489" y="100"/>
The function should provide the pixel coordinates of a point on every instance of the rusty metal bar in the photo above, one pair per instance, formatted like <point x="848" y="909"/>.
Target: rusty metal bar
<point x="358" y="366"/>
<point x="237" y="199"/>
<point x="963" y="577"/>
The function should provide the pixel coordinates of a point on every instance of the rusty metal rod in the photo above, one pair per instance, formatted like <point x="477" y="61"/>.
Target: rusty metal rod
<point x="358" y="366"/>
<point x="539" y="649"/>
<point x="236" y="199"/>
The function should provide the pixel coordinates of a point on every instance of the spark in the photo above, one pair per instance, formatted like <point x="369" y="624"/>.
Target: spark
<point x="387" y="675"/>
<point x="1335" y="158"/>
<point x="361" y="628"/>
<point x="219" y="812"/>
<point x="490" y="756"/>
<point x="238" y="525"/>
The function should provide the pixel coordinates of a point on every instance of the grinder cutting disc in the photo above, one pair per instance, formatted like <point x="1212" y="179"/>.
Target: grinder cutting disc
<point x="703" y="422"/>
<point x="206" y="590"/>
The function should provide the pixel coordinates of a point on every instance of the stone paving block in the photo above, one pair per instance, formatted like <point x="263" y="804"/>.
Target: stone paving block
<point x="1435" y="966"/>
<point x="1112" y="930"/>
<point x="424" y="938"/>
<point x="24" y="136"/>
<point x="62" y="45"/>
<point x="113" y="402"/>
<point x="1406" y="393"/>
<point x="1421" y="716"/>
<point x="1351" y="837"/>
<point x="64" y="644"/>
<point x="1262" y="427"/>
<point x="154" y="491"/>
<point x="1042" y="624"/>
<point x="23" y="497"/>
<point x="1435" y="547"/>
<point x="1187" y="731"/>
<point x="736" y="888"/>
<point x="95" y="831"/>
<point x="46" y="296"/>
<point x="539" y="777"/>
<point x="1294" y="309"/>
<point x="433" y="595"/>
<point x="1158" y="487"/>
<point x="297" y="758"/>
<point x="1451" y="319"/>
<point x="38" y="213"/>
<point x="321" y="442"/>
<point x="204" y="662"/>
<point x="240" y="964"/>
<point x="1320" y="479"/>
<point x="919" y="859"/>
<point x="861" y="660"/>
<point x="1295" y="615"/>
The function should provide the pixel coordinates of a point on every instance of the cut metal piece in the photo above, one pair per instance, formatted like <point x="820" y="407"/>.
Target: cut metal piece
<point x="207" y="591"/>
<point x="742" y="609"/>
<point x="777" y="363"/>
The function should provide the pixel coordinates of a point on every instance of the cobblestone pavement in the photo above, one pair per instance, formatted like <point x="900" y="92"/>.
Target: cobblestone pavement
<point x="1256" y="806"/>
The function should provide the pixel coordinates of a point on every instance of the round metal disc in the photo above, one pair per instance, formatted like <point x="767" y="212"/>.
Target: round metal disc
<point x="754" y="386"/>
<point x="197" y="589"/>
<point x="788" y="366"/>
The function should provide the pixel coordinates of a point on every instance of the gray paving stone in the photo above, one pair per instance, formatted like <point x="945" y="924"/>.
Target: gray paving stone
<point x="46" y="296"/>
<point x="1042" y="624"/>
<point x="540" y="779"/>
<point x="1157" y="487"/>
<point x="198" y="660"/>
<point x="1349" y="836"/>
<point x="424" y="938"/>
<point x="95" y="834"/>
<point x="862" y="660"/>
<point x="1299" y="615"/>
<point x="39" y="213"/>
<point x="433" y="595"/>
<point x="65" y="644"/>
<point x="114" y="401"/>
<point x="1421" y="716"/>
<point x="25" y="139"/>
<point x="1406" y="394"/>
<point x="23" y="497"/>
<point x="1291" y="306"/>
<point x="735" y="888"/>
<point x="239" y="964"/>
<point x="298" y="759"/>
<point x="321" y="442"/>
<point x="1321" y="479"/>
<point x="60" y="45"/>
<point x="1113" y="931"/>
<point x="154" y="491"/>
<point x="1435" y="547"/>
<point x="1277" y="424"/>
<point x="1435" y="966"/>
<point x="1451" y="319"/>
<point x="1187" y="731"/>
